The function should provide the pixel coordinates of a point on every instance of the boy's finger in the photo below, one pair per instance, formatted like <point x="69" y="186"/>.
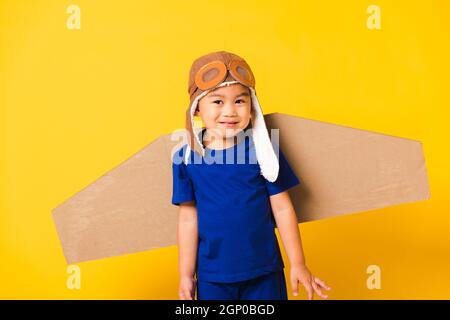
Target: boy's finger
<point x="309" y="290"/>
<point x="294" y="285"/>
<point x="187" y="293"/>
<point x="318" y="291"/>
<point x="322" y="284"/>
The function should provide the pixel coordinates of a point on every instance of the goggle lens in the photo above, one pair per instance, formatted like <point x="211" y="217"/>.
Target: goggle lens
<point x="210" y="75"/>
<point x="213" y="73"/>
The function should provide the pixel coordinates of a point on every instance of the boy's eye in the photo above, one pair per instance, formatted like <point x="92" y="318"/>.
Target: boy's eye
<point x="237" y="101"/>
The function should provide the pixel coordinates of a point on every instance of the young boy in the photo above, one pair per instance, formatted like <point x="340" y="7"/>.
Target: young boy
<point x="231" y="188"/>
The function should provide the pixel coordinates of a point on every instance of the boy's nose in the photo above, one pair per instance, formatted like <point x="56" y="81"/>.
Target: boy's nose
<point x="229" y="109"/>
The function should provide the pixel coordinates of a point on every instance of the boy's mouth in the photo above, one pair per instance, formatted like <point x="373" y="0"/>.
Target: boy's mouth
<point x="229" y="123"/>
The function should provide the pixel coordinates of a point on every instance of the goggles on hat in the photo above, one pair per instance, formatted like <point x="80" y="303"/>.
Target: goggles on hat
<point x="214" y="72"/>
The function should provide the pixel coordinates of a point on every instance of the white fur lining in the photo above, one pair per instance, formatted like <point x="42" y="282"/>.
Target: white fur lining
<point x="265" y="154"/>
<point x="187" y="153"/>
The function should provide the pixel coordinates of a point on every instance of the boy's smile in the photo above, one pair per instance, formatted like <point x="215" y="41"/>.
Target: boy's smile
<point x="225" y="111"/>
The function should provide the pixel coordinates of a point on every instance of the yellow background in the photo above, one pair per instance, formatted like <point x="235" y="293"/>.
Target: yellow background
<point x="76" y="103"/>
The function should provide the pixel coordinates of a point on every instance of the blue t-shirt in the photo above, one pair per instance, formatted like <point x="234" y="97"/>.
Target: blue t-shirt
<point x="236" y="227"/>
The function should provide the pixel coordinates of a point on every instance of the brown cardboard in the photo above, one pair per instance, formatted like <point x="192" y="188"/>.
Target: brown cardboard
<point x="342" y="170"/>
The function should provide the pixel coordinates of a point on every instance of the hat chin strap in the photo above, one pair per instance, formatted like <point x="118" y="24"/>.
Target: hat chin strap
<point x="265" y="154"/>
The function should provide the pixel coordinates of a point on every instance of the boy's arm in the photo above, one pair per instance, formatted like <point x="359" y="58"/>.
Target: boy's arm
<point x="187" y="239"/>
<point x="287" y="223"/>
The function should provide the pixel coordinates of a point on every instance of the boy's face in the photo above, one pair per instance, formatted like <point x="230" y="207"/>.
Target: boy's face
<point x="226" y="110"/>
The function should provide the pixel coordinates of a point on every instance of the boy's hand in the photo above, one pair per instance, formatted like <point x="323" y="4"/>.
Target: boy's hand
<point x="187" y="288"/>
<point x="311" y="283"/>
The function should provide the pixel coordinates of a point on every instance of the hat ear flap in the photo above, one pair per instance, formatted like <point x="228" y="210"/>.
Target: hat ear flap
<point x="265" y="153"/>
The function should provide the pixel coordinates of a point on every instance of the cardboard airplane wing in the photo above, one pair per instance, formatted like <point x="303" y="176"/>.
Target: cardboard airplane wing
<point x="342" y="170"/>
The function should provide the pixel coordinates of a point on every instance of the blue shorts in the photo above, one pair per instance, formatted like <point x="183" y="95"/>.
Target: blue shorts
<point x="271" y="286"/>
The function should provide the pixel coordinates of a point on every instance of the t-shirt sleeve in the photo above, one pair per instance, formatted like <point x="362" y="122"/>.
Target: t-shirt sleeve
<point x="182" y="190"/>
<point x="286" y="177"/>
